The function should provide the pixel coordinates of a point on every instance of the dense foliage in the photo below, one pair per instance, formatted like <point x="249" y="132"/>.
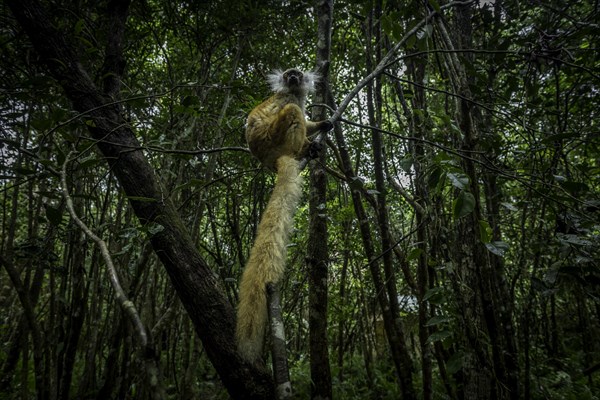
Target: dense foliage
<point x="463" y="197"/>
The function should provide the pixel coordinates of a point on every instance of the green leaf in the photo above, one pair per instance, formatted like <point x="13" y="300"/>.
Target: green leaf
<point x="438" y="319"/>
<point x="438" y="336"/>
<point x="356" y="183"/>
<point x="24" y="171"/>
<point x="435" y="5"/>
<point x="58" y="114"/>
<point x="190" y="101"/>
<point x="47" y="163"/>
<point x="89" y="162"/>
<point x="386" y="24"/>
<point x="410" y="42"/>
<point x="141" y="199"/>
<point x="397" y="32"/>
<point x="154" y="228"/>
<point x="560" y="136"/>
<point x="406" y="163"/>
<point x="78" y="27"/>
<point x="485" y="231"/>
<point x="434" y="295"/>
<point x="191" y="183"/>
<point x="425" y="32"/>
<point x="41" y="124"/>
<point x="435" y="177"/>
<point x="459" y="180"/>
<point x="464" y="204"/>
<point x="573" y="186"/>
<point x="574" y="240"/>
<point x="550" y="276"/>
<point x="455" y="363"/>
<point x="498" y="248"/>
<point x="414" y="254"/>
<point x="509" y="206"/>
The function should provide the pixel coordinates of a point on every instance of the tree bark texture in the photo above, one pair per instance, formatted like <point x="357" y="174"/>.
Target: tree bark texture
<point x="370" y="253"/>
<point x="401" y="356"/>
<point x="281" y="372"/>
<point x="199" y="290"/>
<point x="476" y="282"/>
<point x="416" y="68"/>
<point x="318" y="252"/>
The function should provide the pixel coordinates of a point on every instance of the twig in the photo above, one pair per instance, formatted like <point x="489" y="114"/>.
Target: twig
<point x="126" y="305"/>
<point x="383" y="64"/>
<point x="387" y="58"/>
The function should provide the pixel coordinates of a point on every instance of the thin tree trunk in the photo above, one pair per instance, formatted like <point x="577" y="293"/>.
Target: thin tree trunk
<point x="417" y="125"/>
<point x="341" y="314"/>
<point x="369" y="248"/>
<point x="77" y="313"/>
<point x="365" y="330"/>
<point x="318" y="253"/>
<point x="485" y="374"/>
<point x="402" y="357"/>
<point x="36" y="335"/>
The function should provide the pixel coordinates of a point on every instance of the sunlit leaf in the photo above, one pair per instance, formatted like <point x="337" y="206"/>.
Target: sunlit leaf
<point x="458" y="180"/>
<point x="498" y="248"/>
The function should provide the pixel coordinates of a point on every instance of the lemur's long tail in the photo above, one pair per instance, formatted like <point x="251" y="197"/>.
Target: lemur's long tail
<point x="267" y="258"/>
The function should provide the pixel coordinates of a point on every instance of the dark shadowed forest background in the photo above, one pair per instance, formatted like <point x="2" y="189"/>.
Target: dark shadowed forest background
<point x="446" y="247"/>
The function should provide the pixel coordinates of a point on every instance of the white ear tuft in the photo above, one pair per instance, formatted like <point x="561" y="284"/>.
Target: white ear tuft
<point x="275" y="80"/>
<point x="310" y="78"/>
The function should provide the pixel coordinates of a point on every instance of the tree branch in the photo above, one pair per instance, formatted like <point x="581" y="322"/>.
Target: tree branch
<point x="148" y="355"/>
<point x="385" y="61"/>
<point x="127" y="306"/>
<point x="34" y="328"/>
<point x="198" y="287"/>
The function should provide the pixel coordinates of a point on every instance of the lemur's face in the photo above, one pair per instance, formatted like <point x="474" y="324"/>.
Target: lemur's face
<point x="293" y="77"/>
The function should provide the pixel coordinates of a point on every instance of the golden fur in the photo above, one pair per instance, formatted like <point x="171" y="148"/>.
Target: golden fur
<point x="267" y="258"/>
<point x="277" y="126"/>
<point x="276" y="133"/>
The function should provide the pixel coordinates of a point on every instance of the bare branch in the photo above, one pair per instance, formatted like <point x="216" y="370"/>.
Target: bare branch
<point x="385" y="61"/>
<point x="126" y="304"/>
<point x="147" y="356"/>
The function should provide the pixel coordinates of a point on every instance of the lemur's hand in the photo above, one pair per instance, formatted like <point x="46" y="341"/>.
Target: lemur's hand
<point x="314" y="149"/>
<point x="325" y="126"/>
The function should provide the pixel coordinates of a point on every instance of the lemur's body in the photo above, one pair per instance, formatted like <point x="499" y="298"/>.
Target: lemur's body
<point x="276" y="134"/>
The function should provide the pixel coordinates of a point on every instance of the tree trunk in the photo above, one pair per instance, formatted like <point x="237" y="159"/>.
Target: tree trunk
<point x="401" y="357"/>
<point x="416" y="67"/>
<point x="199" y="290"/>
<point x="318" y="253"/>
<point x="395" y="342"/>
<point x="475" y="284"/>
